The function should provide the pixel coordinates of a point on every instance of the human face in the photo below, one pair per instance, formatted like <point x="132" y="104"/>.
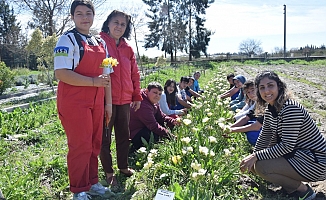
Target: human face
<point x="190" y="82"/>
<point x="197" y="76"/>
<point x="268" y="90"/>
<point x="251" y="93"/>
<point x="154" y="95"/>
<point x="83" y="18"/>
<point x="230" y="80"/>
<point x="117" y="26"/>
<point x="237" y="83"/>
<point x="183" y="85"/>
<point x="170" y="88"/>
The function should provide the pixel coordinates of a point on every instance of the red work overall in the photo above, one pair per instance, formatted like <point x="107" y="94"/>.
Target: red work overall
<point x="81" y="112"/>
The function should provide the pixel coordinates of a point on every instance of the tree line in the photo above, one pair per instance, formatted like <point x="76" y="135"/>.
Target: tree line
<point x="174" y="26"/>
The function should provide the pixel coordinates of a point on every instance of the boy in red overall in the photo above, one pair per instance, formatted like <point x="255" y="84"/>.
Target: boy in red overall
<point x="80" y="98"/>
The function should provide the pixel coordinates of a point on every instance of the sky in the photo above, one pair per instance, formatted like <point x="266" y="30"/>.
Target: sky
<point x="234" y="21"/>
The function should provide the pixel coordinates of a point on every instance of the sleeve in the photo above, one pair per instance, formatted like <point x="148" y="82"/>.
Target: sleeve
<point x="147" y="117"/>
<point x="244" y="111"/>
<point x="106" y="70"/>
<point x="290" y="125"/>
<point x="64" y="53"/>
<point x="165" y="108"/>
<point x="135" y="77"/>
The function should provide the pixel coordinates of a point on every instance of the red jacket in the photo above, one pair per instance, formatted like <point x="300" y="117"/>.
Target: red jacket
<point x="149" y="115"/>
<point x="125" y="80"/>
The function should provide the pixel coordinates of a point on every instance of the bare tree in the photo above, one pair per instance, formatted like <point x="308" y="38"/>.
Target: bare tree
<point x="50" y="16"/>
<point x="250" y="47"/>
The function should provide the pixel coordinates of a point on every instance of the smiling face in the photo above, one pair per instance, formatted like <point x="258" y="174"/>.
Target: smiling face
<point x="251" y="93"/>
<point x="154" y="95"/>
<point x="237" y="83"/>
<point x="268" y="90"/>
<point x="83" y="18"/>
<point x="170" y="88"/>
<point x="197" y="75"/>
<point x="183" y="85"/>
<point x="117" y="26"/>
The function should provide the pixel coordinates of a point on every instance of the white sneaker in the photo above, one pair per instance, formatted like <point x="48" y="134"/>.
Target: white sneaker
<point x="81" y="196"/>
<point x="98" y="189"/>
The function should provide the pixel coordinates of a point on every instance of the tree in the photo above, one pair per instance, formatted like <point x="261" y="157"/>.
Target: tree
<point x="42" y="48"/>
<point x="250" y="47"/>
<point x="50" y="16"/>
<point x="170" y="26"/>
<point x="11" y="39"/>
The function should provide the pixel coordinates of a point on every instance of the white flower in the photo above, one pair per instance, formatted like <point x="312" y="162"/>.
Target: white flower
<point x="148" y="164"/>
<point x="184" y="152"/>
<point x="194" y="176"/>
<point x="153" y="151"/>
<point x="187" y="121"/>
<point x="227" y="152"/>
<point x="205" y="120"/>
<point x="189" y="149"/>
<point x="196" y="166"/>
<point x="209" y="114"/>
<point x="211" y="153"/>
<point x="163" y="175"/>
<point x="221" y="119"/>
<point x="186" y="140"/>
<point x="142" y="150"/>
<point x="207" y="110"/>
<point x="219" y="103"/>
<point x="202" y="171"/>
<point x="221" y="125"/>
<point x="203" y="150"/>
<point x="212" y="139"/>
<point x="188" y="116"/>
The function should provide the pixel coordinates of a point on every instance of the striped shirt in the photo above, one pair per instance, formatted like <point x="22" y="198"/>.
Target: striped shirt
<point x="293" y="134"/>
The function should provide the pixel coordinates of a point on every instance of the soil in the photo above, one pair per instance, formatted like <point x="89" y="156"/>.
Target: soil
<point x="306" y="83"/>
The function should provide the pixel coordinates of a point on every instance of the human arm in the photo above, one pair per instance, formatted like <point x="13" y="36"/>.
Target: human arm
<point x="229" y="93"/>
<point x="248" y="162"/>
<point x="108" y="104"/>
<point x="182" y="102"/>
<point x="149" y="117"/>
<point x="245" y="128"/>
<point x="135" y="77"/>
<point x="165" y="108"/>
<point x="72" y="78"/>
<point x="288" y="128"/>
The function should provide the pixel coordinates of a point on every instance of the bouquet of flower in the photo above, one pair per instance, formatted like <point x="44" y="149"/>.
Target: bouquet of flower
<point x="109" y="63"/>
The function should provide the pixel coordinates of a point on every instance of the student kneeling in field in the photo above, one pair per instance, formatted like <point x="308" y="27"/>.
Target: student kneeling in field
<point x="246" y="121"/>
<point x="238" y="102"/>
<point x="233" y="92"/>
<point x="149" y="118"/>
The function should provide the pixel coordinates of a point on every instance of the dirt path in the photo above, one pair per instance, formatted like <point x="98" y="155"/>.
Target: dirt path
<point x="305" y="83"/>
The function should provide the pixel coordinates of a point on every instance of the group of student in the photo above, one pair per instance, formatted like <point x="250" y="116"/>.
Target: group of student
<point x="92" y="101"/>
<point x="289" y="149"/>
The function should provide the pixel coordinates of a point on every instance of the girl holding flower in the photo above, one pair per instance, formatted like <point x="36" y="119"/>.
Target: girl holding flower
<point x="125" y="92"/>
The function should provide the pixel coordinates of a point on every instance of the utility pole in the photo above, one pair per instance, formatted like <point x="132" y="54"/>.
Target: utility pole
<point x="190" y="58"/>
<point x="284" y="30"/>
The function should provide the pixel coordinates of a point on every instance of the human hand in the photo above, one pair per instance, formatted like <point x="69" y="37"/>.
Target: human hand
<point x="108" y="114"/>
<point x="135" y="105"/>
<point x="248" y="162"/>
<point x="102" y="80"/>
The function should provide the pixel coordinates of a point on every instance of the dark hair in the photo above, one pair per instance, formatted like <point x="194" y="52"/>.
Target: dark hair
<point x="76" y="3"/>
<point x="170" y="98"/>
<point x="230" y="76"/>
<point x="184" y="79"/>
<point x="197" y="72"/>
<point x="115" y="13"/>
<point x="246" y="86"/>
<point x="152" y="85"/>
<point x="282" y="90"/>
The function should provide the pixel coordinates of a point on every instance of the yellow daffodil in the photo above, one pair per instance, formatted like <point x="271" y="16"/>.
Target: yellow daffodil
<point x="109" y="63"/>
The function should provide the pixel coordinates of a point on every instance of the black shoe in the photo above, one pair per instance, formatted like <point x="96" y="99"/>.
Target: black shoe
<point x="307" y="195"/>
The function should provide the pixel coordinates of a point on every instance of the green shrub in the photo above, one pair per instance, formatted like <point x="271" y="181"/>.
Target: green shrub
<point x="6" y="77"/>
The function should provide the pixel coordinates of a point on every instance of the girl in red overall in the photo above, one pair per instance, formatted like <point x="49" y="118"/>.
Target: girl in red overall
<point x="80" y="99"/>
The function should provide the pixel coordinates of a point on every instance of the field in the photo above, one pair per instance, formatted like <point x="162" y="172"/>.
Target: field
<point x="200" y="164"/>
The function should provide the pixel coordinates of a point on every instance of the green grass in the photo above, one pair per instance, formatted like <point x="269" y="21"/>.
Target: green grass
<point x="34" y="166"/>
